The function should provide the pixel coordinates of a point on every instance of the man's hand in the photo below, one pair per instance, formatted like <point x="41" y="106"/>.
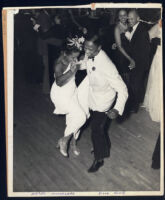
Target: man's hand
<point x="36" y="27"/>
<point x="113" y="113"/>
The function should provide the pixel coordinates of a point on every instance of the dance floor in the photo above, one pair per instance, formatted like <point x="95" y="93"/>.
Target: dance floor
<point x="38" y="165"/>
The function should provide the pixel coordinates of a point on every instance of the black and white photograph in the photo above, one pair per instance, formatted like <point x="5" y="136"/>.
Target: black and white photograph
<point x="84" y="93"/>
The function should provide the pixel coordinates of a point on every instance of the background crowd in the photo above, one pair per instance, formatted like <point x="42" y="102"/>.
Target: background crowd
<point x="40" y="46"/>
<point x="41" y="33"/>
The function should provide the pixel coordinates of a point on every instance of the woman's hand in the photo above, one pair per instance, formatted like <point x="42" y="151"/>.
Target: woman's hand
<point x="132" y="64"/>
<point x="74" y="67"/>
<point x="114" y="46"/>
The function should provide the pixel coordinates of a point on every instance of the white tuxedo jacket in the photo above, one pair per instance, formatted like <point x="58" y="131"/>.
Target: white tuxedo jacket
<point x="101" y="85"/>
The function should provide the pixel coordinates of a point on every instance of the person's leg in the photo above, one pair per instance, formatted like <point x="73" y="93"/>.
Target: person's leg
<point x="126" y="78"/>
<point x="74" y="147"/>
<point x="75" y="119"/>
<point x="63" y="144"/>
<point x="100" y="140"/>
<point x="136" y="89"/>
<point x="156" y="155"/>
<point x="98" y="135"/>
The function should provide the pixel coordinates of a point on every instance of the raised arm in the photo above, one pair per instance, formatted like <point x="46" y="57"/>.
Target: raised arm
<point x="61" y="77"/>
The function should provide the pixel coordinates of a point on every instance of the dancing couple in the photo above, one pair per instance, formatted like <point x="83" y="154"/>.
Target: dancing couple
<point x="100" y="96"/>
<point x="132" y="55"/>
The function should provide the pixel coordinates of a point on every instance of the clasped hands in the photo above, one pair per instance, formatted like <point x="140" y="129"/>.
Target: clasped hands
<point x="74" y="66"/>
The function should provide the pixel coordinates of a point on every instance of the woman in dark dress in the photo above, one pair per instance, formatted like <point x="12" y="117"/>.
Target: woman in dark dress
<point x="123" y="61"/>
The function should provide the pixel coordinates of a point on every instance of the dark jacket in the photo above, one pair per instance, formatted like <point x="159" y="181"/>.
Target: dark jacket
<point x="140" y="48"/>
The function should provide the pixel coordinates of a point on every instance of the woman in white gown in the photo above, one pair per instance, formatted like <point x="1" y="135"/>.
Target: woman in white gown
<point x="64" y="94"/>
<point x="153" y="96"/>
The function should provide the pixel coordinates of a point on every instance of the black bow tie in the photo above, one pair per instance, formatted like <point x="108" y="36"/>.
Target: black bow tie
<point x="130" y="29"/>
<point x="93" y="58"/>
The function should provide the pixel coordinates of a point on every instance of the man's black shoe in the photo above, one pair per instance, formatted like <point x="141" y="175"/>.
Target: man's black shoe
<point x="95" y="166"/>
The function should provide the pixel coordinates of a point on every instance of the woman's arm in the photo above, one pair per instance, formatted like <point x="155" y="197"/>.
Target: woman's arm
<point x="119" y="46"/>
<point x="62" y="79"/>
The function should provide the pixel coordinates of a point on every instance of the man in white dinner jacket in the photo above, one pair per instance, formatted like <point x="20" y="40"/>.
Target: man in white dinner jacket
<point x="107" y="95"/>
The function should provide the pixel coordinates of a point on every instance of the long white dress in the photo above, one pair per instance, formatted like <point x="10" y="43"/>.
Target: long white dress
<point x="153" y="96"/>
<point x="66" y="102"/>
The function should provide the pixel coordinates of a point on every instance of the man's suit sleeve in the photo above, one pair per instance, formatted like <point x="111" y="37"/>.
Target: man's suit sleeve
<point x="117" y="84"/>
<point x="142" y="48"/>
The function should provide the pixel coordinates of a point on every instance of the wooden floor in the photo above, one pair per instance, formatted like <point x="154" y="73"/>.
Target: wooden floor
<point x="38" y="165"/>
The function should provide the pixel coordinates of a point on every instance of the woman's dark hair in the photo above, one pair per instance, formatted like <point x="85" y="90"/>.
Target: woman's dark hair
<point x="69" y="49"/>
<point x="117" y="13"/>
<point x="95" y="38"/>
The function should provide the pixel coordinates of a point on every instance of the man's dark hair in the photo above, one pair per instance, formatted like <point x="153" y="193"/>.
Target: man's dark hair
<point x="134" y="10"/>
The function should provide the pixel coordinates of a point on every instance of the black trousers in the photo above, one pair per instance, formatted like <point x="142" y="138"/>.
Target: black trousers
<point x="156" y="155"/>
<point x="136" y="88"/>
<point x="100" y="138"/>
<point x="126" y="78"/>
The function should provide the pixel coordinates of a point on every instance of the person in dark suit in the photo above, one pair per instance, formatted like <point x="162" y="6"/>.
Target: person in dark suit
<point x="156" y="155"/>
<point x="140" y="53"/>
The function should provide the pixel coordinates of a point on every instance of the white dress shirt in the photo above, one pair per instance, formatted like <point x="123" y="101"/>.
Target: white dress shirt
<point x="104" y="83"/>
<point x="129" y="35"/>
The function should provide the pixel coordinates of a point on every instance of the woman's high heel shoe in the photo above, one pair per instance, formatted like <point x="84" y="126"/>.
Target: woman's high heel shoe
<point x="74" y="147"/>
<point x="62" y="145"/>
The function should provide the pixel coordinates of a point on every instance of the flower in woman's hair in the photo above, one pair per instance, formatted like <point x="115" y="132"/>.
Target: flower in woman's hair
<point x="77" y="42"/>
<point x="81" y="40"/>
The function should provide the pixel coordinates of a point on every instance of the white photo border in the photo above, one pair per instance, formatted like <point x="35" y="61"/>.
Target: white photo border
<point x="9" y="109"/>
